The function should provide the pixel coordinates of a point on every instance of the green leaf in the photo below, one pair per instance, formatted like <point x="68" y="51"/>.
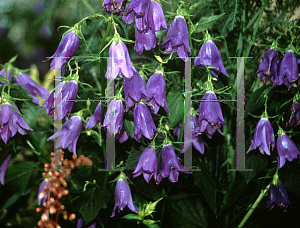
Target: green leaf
<point x="195" y="5"/>
<point x="207" y="22"/>
<point x="19" y="175"/>
<point x="30" y="113"/>
<point x="256" y="161"/>
<point x="92" y="200"/>
<point x="150" y="223"/>
<point x="256" y="99"/>
<point x="289" y="175"/>
<point x="129" y="126"/>
<point x="205" y="181"/>
<point x="175" y="104"/>
<point x="148" y="189"/>
<point x="132" y="217"/>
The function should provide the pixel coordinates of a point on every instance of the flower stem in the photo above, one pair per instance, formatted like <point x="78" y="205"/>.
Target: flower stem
<point x="260" y="197"/>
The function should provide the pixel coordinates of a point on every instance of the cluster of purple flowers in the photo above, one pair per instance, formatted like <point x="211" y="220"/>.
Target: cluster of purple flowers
<point x="284" y="72"/>
<point x="264" y="139"/>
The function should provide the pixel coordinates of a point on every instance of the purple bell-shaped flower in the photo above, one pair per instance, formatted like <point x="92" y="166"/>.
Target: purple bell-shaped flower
<point x="134" y="89"/>
<point x="268" y="66"/>
<point x="286" y="149"/>
<point x="119" y="62"/>
<point x="209" y="55"/>
<point x="143" y="122"/>
<point x="263" y="137"/>
<point x="177" y="38"/>
<point x="33" y="88"/>
<point x="147" y="164"/>
<point x="3" y="169"/>
<point x="170" y="165"/>
<point x="278" y="195"/>
<point x="6" y="74"/>
<point x="144" y="40"/>
<point x="123" y="196"/>
<point x="156" y="19"/>
<point x="156" y="92"/>
<point x="68" y="134"/>
<point x="114" y="6"/>
<point x="11" y="122"/>
<point x="66" y="49"/>
<point x="114" y="117"/>
<point x="210" y="115"/>
<point x="95" y="118"/>
<point x="64" y="92"/>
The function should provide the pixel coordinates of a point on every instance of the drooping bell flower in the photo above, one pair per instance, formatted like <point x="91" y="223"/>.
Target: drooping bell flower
<point x="123" y="135"/>
<point x="144" y="40"/>
<point x="288" y="70"/>
<point x="95" y="118"/>
<point x="278" y="195"/>
<point x="33" y="88"/>
<point x="170" y="165"/>
<point x="210" y="115"/>
<point x="156" y="19"/>
<point x="177" y="39"/>
<point x="268" y="66"/>
<point x="286" y="149"/>
<point x="44" y="191"/>
<point x="123" y="196"/>
<point x="66" y="49"/>
<point x="143" y="122"/>
<point x="114" y="117"/>
<point x="295" y="114"/>
<point x="263" y="137"/>
<point x="156" y="91"/>
<point x="65" y="92"/>
<point x="6" y="74"/>
<point x="209" y="55"/>
<point x="11" y="122"/>
<point x="134" y="89"/>
<point x="147" y="164"/>
<point x="138" y="10"/>
<point x="114" y="6"/>
<point x="3" y="169"/>
<point x="68" y="134"/>
<point x="119" y="63"/>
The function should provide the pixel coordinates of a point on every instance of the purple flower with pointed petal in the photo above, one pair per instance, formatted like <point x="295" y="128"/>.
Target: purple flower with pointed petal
<point x="144" y="40"/>
<point x="122" y="136"/>
<point x="8" y="76"/>
<point x="11" y="122"/>
<point x="123" y="196"/>
<point x="156" y="91"/>
<point x="278" y="195"/>
<point x="68" y="134"/>
<point x="295" y="115"/>
<point x="66" y="49"/>
<point x="288" y="70"/>
<point x="119" y="62"/>
<point x="137" y="9"/>
<point x="64" y="92"/>
<point x="3" y="168"/>
<point x="176" y="131"/>
<point x="95" y="118"/>
<point x="177" y="39"/>
<point x="170" y="165"/>
<point x="209" y="55"/>
<point x="114" y="117"/>
<point x="268" y="66"/>
<point x="43" y="193"/>
<point x="33" y="88"/>
<point x="114" y="6"/>
<point x="210" y="115"/>
<point x="147" y="164"/>
<point x="286" y="149"/>
<point x="263" y="137"/>
<point x="143" y="122"/>
<point x="156" y="19"/>
<point x="134" y="89"/>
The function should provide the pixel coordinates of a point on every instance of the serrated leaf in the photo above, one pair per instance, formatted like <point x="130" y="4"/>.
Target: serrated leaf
<point x="30" y="113"/>
<point x="256" y="161"/>
<point x="205" y="181"/>
<point x="256" y="99"/>
<point x="92" y="200"/>
<point x="175" y="104"/>
<point x="195" y="5"/>
<point x="206" y="22"/>
<point x="19" y="175"/>
<point x="129" y="126"/>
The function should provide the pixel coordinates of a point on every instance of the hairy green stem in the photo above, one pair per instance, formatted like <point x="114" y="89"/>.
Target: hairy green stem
<point x="260" y="197"/>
